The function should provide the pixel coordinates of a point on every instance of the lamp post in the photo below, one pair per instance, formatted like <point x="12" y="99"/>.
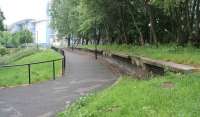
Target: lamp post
<point x="37" y="39"/>
<point x="96" y="54"/>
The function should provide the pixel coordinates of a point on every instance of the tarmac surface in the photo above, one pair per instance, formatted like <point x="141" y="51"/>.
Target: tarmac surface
<point x="83" y="75"/>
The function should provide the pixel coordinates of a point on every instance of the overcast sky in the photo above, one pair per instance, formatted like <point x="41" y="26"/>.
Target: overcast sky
<point x="15" y="10"/>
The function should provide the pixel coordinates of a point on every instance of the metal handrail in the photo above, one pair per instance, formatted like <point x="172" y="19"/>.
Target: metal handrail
<point x="34" y="63"/>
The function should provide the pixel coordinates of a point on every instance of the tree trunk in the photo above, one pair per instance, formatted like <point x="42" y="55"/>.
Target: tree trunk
<point x="69" y="41"/>
<point x="198" y="16"/>
<point x="152" y="28"/>
<point x="82" y="41"/>
<point x="99" y="37"/>
<point x="137" y="28"/>
<point x="87" y="41"/>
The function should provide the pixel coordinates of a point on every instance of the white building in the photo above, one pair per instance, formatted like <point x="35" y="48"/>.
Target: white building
<point x="23" y="24"/>
<point x="42" y="32"/>
<point x="44" y="35"/>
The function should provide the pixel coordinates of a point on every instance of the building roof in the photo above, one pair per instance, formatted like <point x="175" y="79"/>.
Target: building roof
<point x="24" y="21"/>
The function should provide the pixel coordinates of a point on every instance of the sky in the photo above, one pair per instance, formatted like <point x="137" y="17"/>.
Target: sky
<point x="16" y="10"/>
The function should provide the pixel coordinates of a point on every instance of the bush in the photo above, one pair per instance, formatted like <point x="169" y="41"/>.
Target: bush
<point x="5" y="38"/>
<point x="3" y="51"/>
<point x="10" y="40"/>
<point x="24" y="36"/>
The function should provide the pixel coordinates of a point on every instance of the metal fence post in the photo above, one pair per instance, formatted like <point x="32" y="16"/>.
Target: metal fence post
<point x="63" y="62"/>
<point x="30" y="64"/>
<point x="63" y="67"/>
<point x="29" y="73"/>
<point x="54" y="76"/>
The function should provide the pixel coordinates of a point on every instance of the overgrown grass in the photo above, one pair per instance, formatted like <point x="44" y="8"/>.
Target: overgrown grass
<point x="16" y="54"/>
<point x="183" y="55"/>
<point x="143" y="98"/>
<point x="40" y="72"/>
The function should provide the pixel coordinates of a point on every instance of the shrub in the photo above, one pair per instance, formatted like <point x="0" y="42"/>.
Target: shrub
<point x="5" y="38"/>
<point x="24" y="36"/>
<point x="10" y="40"/>
<point x="3" y="51"/>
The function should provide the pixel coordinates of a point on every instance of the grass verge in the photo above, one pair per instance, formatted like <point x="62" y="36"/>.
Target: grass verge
<point x="173" y="95"/>
<point x="182" y="55"/>
<point x="40" y="72"/>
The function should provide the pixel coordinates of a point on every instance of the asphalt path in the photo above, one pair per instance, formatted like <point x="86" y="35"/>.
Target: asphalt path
<point x="83" y="75"/>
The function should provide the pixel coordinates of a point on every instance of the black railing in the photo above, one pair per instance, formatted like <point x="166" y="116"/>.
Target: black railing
<point x="62" y="52"/>
<point x="35" y="63"/>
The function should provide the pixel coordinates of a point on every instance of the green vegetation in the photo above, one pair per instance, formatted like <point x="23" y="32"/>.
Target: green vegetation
<point x="183" y="55"/>
<point x="41" y="72"/>
<point x="2" y="18"/>
<point x="159" y="29"/>
<point x="173" y="95"/>
<point x="3" y="51"/>
<point x="11" y="40"/>
<point x="5" y="38"/>
<point x="15" y="54"/>
<point x="22" y="37"/>
<point x="128" y="21"/>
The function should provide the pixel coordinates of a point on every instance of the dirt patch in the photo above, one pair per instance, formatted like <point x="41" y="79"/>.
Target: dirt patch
<point x="168" y="85"/>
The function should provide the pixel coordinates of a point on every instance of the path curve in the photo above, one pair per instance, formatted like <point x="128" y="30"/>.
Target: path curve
<point x="83" y="74"/>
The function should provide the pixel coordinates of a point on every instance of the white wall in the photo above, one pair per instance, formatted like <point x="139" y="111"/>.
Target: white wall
<point x="41" y="32"/>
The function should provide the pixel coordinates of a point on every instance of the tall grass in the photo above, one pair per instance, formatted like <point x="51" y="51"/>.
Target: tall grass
<point x="21" y="53"/>
<point x="142" y="98"/>
<point x="40" y="72"/>
<point x="183" y="55"/>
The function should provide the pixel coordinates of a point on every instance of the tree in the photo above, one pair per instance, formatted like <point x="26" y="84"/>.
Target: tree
<point x="24" y="36"/>
<point x="129" y="21"/>
<point x="2" y="18"/>
<point x="5" y="38"/>
<point x="64" y="16"/>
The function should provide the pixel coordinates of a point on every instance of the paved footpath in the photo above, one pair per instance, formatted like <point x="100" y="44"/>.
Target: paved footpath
<point x="83" y="74"/>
